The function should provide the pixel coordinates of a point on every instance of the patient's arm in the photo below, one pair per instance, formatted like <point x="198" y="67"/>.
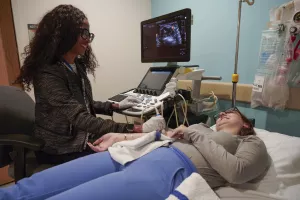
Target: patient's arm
<point x="249" y="161"/>
<point x="190" y="133"/>
<point x="193" y="132"/>
<point x="131" y="136"/>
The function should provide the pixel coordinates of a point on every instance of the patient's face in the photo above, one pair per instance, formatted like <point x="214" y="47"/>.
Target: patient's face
<point x="231" y="120"/>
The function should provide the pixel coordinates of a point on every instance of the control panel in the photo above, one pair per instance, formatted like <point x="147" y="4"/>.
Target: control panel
<point x="148" y="104"/>
<point x="147" y="91"/>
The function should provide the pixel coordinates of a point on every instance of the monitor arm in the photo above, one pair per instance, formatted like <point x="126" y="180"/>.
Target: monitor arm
<point x="196" y="85"/>
<point x="197" y="77"/>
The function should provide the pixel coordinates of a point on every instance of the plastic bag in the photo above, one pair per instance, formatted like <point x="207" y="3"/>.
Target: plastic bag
<point x="270" y="87"/>
<point x="272" y="95"/>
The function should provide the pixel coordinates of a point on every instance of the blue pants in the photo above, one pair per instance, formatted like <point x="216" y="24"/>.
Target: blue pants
<point x="152" y="177"/>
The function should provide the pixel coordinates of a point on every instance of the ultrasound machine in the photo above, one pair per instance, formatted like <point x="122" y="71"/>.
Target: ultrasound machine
<point x="163" y="39"/>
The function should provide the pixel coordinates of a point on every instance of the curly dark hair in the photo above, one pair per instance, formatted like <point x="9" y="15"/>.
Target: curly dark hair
<point x="56" y="34"/>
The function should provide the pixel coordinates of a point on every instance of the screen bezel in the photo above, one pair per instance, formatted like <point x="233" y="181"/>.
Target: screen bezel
<point x="185" y="58"/>
<point x="157" y="69"/>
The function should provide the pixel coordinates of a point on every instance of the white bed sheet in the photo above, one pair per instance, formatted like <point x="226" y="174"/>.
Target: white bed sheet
<point x="292" y="192"/>
<point x="229" y="193"/>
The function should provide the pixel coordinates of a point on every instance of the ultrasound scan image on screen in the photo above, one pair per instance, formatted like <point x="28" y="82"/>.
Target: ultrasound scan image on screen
<point x="154" y="80"/>
<point x="166" y="38"/>
<point x="169" y="35"/>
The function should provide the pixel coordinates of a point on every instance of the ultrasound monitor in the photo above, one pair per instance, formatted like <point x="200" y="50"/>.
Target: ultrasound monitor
<point x="155" y="80"/>
<point x="167" y="38"/>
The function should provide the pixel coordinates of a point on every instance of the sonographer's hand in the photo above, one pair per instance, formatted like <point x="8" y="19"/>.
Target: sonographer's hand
<point x="106" y="141"/>
<point x="154" y="123"/>
<point x="129" y="102"/>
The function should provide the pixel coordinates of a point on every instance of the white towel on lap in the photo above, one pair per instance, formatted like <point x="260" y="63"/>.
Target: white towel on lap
<point x="193" y="188"/>
<point x="127" y="151"/>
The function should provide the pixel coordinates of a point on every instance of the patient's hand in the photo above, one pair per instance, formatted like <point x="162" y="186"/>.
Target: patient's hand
<point x="106" y="141"/>
<point x="177" y="133"/>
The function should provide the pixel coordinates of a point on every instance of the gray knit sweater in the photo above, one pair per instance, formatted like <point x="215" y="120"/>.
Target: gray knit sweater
<point x="61" y="116"/>
<point x="222" y="158"/>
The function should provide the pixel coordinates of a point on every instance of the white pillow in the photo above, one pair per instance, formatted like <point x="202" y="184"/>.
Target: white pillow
<point x="285" y="153"/>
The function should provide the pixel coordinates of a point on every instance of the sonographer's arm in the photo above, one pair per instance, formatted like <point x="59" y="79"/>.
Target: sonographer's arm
<point x="103" y="108"/>
<point x="52" y="86"/>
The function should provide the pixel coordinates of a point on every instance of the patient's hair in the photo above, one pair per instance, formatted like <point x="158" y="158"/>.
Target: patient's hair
<point x="246" y="130"/>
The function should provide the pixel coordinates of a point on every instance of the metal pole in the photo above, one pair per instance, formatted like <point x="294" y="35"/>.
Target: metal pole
<point x="238" y="37"/>
<point x="237" y="52"/>
<point x="235" y="80"/>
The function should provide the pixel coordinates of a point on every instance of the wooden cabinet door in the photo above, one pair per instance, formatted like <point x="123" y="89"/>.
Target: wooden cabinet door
<point x="3" y="69"/>
<point x="9" y="57"/>
<point x="4" y="178"/>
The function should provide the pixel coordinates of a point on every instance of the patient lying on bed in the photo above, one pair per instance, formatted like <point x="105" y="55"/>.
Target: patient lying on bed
<point x="189" y="148"/>
<point x="232" y="154"/>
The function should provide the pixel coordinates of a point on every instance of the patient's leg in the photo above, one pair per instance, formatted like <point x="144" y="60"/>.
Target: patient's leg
<point x="61" y="178"/>
<point x="151" y="177"/>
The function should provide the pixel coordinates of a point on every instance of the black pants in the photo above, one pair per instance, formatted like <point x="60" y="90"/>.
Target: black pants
<point x="44" y="158"/>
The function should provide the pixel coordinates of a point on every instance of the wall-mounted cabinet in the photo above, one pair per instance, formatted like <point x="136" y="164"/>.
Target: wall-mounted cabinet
<point x="9" y="58"/>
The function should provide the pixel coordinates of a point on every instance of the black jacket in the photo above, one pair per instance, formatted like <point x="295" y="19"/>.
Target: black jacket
<point x="61" y="116"/>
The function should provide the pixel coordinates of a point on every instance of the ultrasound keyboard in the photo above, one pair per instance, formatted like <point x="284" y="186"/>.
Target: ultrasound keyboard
<point x="118" y="98"/>
<point x="149" y="91"/>
<point x="148" y="104"/>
